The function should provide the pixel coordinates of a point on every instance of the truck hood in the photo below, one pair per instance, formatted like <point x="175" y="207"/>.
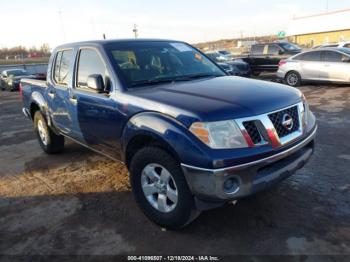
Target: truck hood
<point x="219" y="98"/>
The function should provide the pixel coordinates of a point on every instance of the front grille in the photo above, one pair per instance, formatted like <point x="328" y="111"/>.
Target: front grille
<point x="277" y="119"/>
<point x="252" y="131"/>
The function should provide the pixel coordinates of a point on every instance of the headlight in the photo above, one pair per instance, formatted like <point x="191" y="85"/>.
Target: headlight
<point x="306" y="109"/>
<point x="219" y="135"/>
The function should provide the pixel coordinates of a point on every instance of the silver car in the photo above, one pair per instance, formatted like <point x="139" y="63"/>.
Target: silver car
<point x="330" y="64"/>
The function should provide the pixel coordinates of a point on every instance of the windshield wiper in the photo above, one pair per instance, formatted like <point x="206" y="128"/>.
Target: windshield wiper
<point x="160" y="80"/>
<point x="152" y="81"/>
<point x="196" y="76"/>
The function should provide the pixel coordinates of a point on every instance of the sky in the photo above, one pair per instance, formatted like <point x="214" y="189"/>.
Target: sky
<point x="34" y="22"/>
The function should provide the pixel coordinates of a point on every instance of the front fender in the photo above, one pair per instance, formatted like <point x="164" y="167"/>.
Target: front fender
<point x="167" y="130"/>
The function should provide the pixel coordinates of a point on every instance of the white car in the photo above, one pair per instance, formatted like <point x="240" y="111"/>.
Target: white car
<point x="329" y="64"/>
<point x="345" y="44"/>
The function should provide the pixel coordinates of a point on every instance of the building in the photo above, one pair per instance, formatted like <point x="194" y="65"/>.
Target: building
<point x="318" y="29"/>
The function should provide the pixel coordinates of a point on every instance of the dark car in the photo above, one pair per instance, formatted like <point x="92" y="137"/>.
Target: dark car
<point x="235" y="67"/>
<point x="266" y="57"/>
<point x="11" y="78"/>
<point x="192" y="137"/>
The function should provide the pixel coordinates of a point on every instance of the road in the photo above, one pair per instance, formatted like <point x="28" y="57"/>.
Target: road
<point x="80" y="203"/>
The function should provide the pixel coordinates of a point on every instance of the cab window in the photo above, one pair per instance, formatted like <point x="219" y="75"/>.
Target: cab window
<point x="257" y="49"/>
<point x="90" y="63"/>
<point x="309" y="56"/>
<point x="62" y="73"/>
<point x="273" y="50"/>
<point x="330" y="56"/>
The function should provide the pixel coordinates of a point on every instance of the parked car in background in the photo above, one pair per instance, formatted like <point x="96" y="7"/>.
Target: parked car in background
<point x="330" y="64"/>
<point x="265" y="57"/>
<point x="217" y="56"/>
<point x="192" y="137"/>
<point x="11" y="78"/>
<point x="235" y="67"/>
<point x="225" y="53"/>
<point x="341" y="44"/>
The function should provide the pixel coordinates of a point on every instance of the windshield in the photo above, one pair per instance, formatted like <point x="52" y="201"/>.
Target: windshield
<point x="147" y="63"/>
<point x="290" y="47"/>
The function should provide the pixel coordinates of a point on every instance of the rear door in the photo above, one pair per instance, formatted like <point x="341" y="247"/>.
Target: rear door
<point x="334" y="69"/>
<point x="257" y="57"/>
<point x="98" y="118"/>
<point x="311" y="65"/>
<point x="58" y="91"/>
<point x="273" y="57"/>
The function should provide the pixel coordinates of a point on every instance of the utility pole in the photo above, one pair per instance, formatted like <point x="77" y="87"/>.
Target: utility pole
<point x="62" y="25"/>
<point x="327" y="5"/>
<point x="135" y="30"/>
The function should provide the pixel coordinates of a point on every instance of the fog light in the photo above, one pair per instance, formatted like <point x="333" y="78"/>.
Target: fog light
<point x="231" y="185"/>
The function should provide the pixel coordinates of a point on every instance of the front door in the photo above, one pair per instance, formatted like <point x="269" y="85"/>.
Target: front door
<point x="98" y="118"/>
<point x="311" y="65"/>
<point x="334" y="69"/>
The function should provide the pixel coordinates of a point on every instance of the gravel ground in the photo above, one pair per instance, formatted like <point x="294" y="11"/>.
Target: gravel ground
<point x="80" y="203"/>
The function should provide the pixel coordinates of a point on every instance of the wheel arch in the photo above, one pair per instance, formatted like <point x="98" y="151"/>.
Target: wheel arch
<point x="139" y="141"/>
<point x="37" y="103"/>
<point x="151" y="128"/>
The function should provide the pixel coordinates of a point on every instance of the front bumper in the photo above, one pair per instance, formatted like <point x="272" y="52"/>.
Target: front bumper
<point x="208" y="184"/>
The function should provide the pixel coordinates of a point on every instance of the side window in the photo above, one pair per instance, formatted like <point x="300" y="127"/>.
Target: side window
<point x="90" y="63"/>
<point x="62" y="74"/>
<point x="347" y="45"/>
<point x="257" y="49"/>
<point x="266" y="49"/>
<point x="309" y="56"/>
<point x="273" y="50"/>
<point x="330" y="56"/>
<point x="56" y="72"/>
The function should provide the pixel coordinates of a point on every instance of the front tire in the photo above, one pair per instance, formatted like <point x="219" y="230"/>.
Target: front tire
<point x="293" y="78"/>
<point x="48" y="140"/>
<point x="160" y="188"/>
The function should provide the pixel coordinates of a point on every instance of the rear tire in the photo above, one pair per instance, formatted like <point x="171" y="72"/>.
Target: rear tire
<point x="48" y="140"/>
<point x="256" y="73"/>
<point x="293" y="78"/>
<point x="170" y="204"/>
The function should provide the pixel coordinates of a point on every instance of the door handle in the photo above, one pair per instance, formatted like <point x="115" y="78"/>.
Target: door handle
<point x="52" y="93"/>
<point x="73" y="99"/>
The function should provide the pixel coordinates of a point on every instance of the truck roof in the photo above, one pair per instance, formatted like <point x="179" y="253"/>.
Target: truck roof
<point x="109" y="41"/>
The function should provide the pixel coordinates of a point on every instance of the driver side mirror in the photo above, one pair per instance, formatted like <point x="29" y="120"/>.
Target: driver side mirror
<point x="95" y="82"/>
<point x="280" y="52"/>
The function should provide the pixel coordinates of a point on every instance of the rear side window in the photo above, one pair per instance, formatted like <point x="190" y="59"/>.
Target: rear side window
<point x="330" y="56"/>
<point x="62" y="74"/>
<point x="257" y="49"/>
<point x="310" y="56"/>
<point x="90" y="63"/>
<point x="273" y="50"/>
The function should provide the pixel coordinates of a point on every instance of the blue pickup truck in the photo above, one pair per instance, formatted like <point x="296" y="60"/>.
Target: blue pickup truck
<point x="192" y="137"/>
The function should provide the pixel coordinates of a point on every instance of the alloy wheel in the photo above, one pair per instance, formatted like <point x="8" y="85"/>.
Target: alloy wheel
<point x="159" y="188"/>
